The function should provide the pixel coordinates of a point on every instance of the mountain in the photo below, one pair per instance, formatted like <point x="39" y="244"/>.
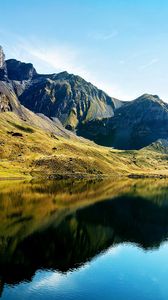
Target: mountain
<point x="135" y="124"/>
<point x="9" y="101"/>
<point x="91" y="113"/>
<point x="36" y="144"/>
<point x="64" y="96"/>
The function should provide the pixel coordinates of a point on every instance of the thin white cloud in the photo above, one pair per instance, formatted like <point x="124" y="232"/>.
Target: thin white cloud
<point x="149" y="64"/>
<point x="104" y="36"/>
<point x="57" y="58"/>
<point x="54" y="57"/>
<point x="49" y="58"/>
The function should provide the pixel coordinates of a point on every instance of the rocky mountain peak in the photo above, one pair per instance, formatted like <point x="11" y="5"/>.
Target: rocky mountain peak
<point x="149" y="97"/>
<point x="2" y="58"/>
<point x="69" y="98"/>
<point x="20" y="71"/>
<point x="3" y="70"/>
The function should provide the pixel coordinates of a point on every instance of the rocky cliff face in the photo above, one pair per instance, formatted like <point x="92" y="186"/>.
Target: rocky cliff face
<point x="14" y="80"/>
<point x="2" y="58"/>
<point x="65" y="96"/>
<point x="10" y="103"/>
<point x="3" y="69"/>
<point x="4" y="103"/>
<point x="20" y="71"/>
<point x="8" y="99"/>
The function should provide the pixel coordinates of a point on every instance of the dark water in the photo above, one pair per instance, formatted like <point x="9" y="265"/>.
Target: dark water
<point x="84" y="240"/>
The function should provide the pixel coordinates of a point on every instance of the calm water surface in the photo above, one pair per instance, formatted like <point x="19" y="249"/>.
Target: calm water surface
<point x="84" y="240"/>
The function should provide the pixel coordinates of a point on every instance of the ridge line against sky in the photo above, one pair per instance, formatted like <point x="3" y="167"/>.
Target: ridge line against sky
<point x="120" y="46"/>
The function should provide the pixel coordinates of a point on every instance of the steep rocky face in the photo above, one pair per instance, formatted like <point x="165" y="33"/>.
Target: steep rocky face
<point x="3" y="69"/>
<point x="20" y="71"/>
<point x="10" y="103"/>
<point x="135" y="125"/>
<point x="4" y="103"/>
<point x="2" y="58"/>
<point x="8" y="99"/>
<point x="69" y="98"/>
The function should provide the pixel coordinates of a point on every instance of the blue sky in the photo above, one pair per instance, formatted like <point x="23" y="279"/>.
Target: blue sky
<point x="121" y="46"/>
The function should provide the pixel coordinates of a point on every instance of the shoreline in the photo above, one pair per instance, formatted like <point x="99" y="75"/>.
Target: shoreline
<point x="85" y="176"/>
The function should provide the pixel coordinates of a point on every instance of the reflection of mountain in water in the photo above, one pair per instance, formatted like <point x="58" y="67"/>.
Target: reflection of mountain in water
<point x="68" y="235"/>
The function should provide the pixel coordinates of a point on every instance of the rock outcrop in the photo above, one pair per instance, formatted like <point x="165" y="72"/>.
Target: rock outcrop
<point x="8" y="99"/>
<point x="3" y="69"/>
<point x="2" y="58"/>
<point x="20" y="71"/>
<point x="4" y="103"/>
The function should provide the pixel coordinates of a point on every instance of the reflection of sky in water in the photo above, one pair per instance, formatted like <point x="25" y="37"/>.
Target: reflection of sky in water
<point x="123" y="272"/>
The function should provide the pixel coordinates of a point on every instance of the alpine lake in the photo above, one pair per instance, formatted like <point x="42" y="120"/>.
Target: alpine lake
<point x="84" y="239"/>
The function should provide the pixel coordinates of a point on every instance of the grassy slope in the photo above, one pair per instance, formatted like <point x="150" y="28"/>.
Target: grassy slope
<point x="39" y="153"/>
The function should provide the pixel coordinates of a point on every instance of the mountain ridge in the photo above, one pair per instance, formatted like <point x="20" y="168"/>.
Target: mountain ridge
<point x="67" y="97"/>
<point x="83" y="108"/>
